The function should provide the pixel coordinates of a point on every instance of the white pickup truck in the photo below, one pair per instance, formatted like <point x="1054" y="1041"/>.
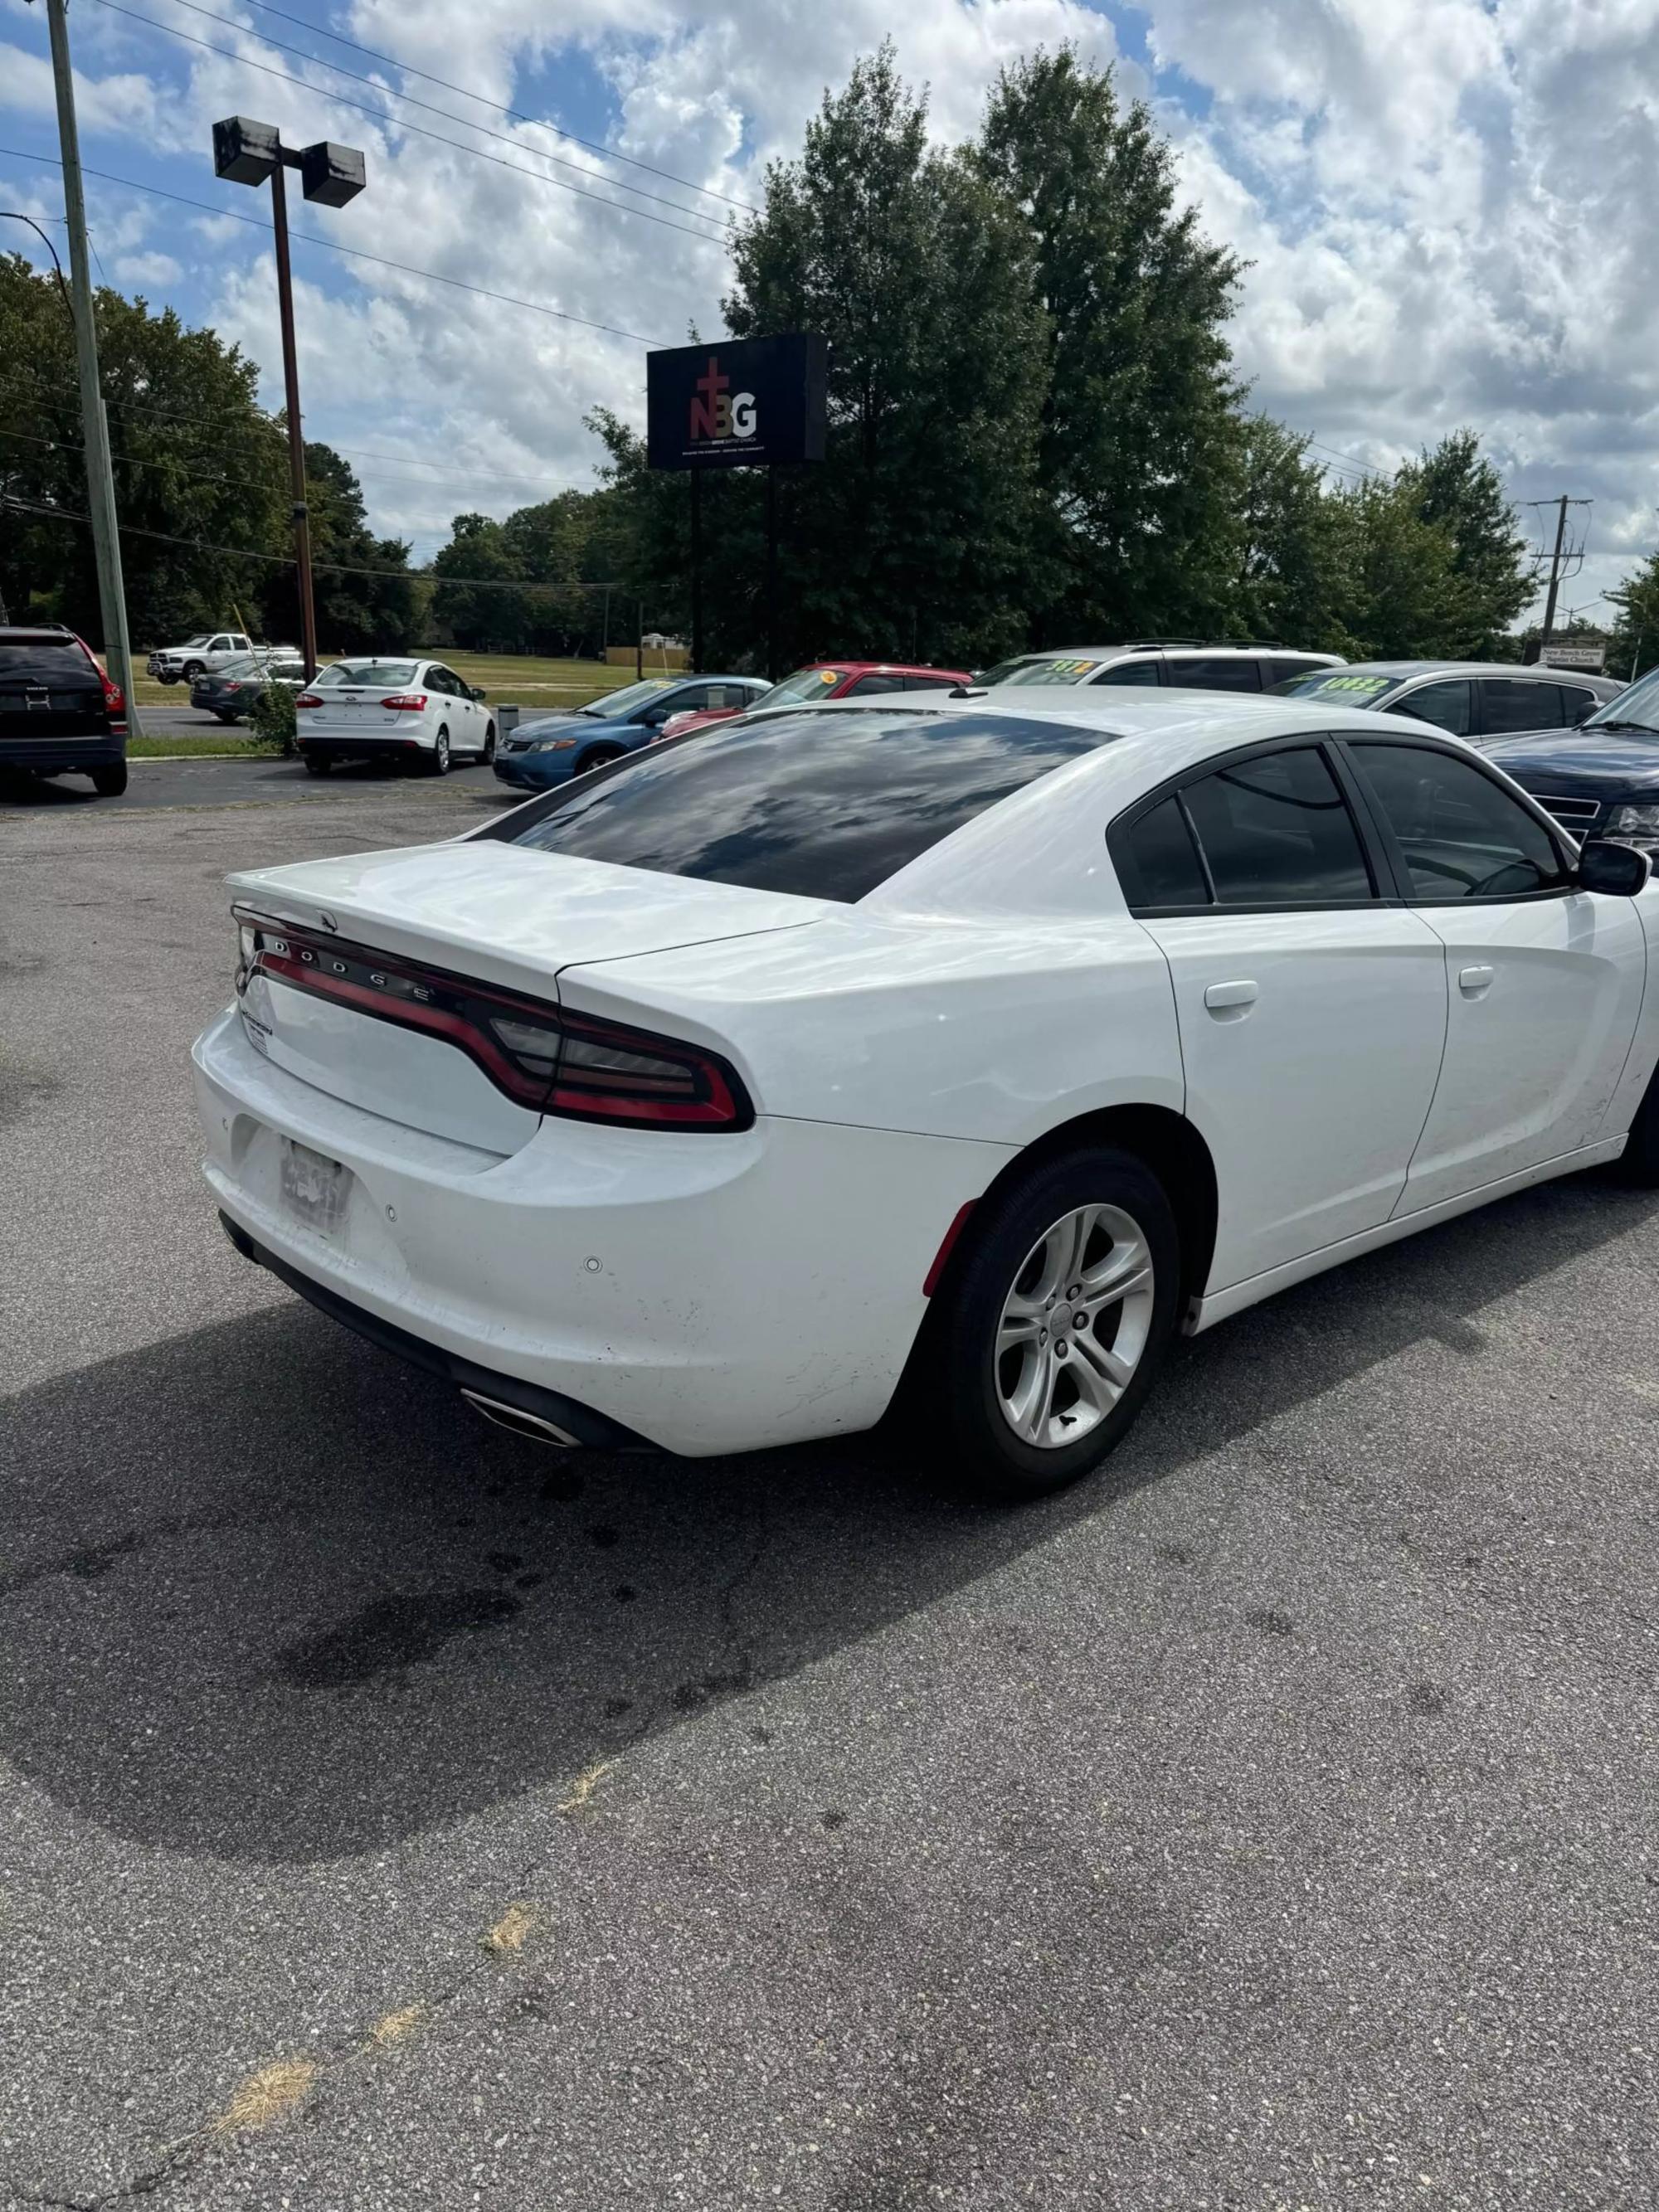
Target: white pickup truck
<point x="175" y="664"/>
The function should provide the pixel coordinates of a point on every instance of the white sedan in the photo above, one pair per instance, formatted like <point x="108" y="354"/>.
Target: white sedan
<point x="418" y="711"/>
<point x="707" y="1101"/>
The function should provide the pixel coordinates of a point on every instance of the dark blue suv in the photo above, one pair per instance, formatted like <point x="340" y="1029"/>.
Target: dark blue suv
<point x="555" y="747"/>
<point x="1601" y="777"/>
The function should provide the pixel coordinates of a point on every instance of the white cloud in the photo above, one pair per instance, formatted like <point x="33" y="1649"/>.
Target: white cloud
<point x="1447" y="206"/>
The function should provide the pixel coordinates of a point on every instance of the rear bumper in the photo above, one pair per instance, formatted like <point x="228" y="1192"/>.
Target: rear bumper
<point x="56" y="755"/>
<point x="580" y="1423"/>
<point x="706" y="1294"/>
<point x="364" y="748"/>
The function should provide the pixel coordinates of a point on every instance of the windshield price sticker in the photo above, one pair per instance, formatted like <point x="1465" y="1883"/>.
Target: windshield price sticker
<point x="1365" y="686"/>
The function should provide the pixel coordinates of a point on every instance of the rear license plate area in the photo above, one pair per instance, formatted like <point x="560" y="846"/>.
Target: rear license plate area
<point x="316" y="1190"/>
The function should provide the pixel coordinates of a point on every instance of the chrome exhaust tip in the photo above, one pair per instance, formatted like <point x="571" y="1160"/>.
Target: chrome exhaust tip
<point x="522" y="1424"/>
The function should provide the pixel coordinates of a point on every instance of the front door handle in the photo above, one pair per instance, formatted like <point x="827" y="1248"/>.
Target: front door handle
<point x="1229" y="998"/>
<point x="1472" y="981"/>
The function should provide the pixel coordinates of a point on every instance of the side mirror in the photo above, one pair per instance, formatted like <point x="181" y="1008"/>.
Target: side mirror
<point x="1604" y="866"/>
<point x="478" y="691"/>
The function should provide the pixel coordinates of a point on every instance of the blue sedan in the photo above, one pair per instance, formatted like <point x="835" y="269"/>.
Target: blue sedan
<point x="555" y="747"/>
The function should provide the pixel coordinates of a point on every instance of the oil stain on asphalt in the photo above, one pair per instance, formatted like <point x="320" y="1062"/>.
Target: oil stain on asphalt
<point x="389" y="1633"/>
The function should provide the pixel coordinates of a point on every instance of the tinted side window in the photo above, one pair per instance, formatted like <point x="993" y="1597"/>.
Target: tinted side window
<point x="1131" y="671"/>
<point x="930" y="683"/>
<point x="440" y="679"/>
<point x="1281" y="667"/>
<point x="1235" y="673"/>
<point x="867" y="686"/>
<point x="1276" y="831"/>
<point x="1157" y="863"/>
<point x="1462" y="835"/>
<point x="1511" y="704"/>
<point x="1576" y="703"/>
<point x="1446" y="705"/>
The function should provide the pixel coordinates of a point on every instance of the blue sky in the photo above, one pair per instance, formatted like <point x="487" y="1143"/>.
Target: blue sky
<point x="1447" y="206"/>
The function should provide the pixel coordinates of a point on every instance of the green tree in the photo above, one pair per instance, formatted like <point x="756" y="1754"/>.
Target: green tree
<point x="197" y="465"/>
<point x="1453" y="485"/>
<point x="914" y="535"/>
<point x="1635" y="646"/>
<point x="379" y="612"/>
<point x="1140" y="453"/>
<point x="1293" y="548"/>
<point x="479" y="618"/>
<point x="1402" y="596"/>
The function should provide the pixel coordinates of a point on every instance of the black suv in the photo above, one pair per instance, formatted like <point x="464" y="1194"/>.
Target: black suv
<point x="58" y="711"/>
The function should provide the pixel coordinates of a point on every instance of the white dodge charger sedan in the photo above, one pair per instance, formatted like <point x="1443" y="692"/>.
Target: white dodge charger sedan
<point x="708" y="1100"/>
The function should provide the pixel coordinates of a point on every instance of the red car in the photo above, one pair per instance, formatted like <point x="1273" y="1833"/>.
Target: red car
<point x="826" y="679"/>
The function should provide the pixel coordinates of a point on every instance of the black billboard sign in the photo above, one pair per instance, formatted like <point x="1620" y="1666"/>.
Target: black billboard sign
<point x="737" y="403"/>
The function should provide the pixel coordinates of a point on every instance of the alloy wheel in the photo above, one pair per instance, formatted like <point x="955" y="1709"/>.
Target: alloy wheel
<point x="1075" y="1322"/>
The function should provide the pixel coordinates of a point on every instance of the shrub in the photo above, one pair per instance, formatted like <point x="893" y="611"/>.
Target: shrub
<point x="271" y="718"/>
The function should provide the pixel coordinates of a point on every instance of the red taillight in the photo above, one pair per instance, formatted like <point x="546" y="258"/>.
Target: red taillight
<point x="543" y="1056"/>
<point x="307" y="699"/>
<point x="232" y="687"/>
<point x="406" y="702"/>
<point x="115" y="702"/>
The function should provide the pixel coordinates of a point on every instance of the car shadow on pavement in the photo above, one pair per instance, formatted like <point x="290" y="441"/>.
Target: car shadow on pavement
<point x="267" y="1594"/>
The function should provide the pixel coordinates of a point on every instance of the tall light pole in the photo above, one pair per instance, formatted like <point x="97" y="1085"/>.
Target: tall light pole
<point x="95" y="424"/>
<point x="247" y="153"/>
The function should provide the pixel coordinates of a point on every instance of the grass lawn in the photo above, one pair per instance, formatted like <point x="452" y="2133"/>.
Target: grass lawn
<point x="223" y="742"/>
<point x="505" y="676"/>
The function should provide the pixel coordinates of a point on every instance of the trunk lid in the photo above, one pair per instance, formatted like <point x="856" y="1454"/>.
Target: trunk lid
<point x="504" y="916"/>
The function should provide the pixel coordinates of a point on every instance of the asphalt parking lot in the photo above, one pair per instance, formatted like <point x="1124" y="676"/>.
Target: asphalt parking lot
<point x="393" y="1813"/>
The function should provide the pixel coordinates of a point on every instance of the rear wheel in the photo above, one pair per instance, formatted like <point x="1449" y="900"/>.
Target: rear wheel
<point x="220" y="715"/>
<point x="110" y="782"/>
<point x="439" y="763"/>
<point x="317" y="763"/>
<point x="1053" y="1324"/>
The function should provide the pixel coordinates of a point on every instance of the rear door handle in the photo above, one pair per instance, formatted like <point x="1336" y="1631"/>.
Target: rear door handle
<point x="1219" y="997"/>
<point x="1472" y="981"/>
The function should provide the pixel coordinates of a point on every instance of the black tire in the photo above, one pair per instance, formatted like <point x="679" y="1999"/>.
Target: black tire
<point x="219" y="715"/>
<point x="317" y="763"/>
<point x="489" y="753"/>
<point x="192" y="669"/>
<point x="109" y="782"/>
<point x="601" y="757"/>
<point x="958" y="1386"/>
<point x="438" y="759"/>
<point x="1639" y="1160"/>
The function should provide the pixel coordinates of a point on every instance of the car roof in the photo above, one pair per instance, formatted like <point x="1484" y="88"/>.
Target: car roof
<point x="1404" y="668"/>
<point x="881" y="668"/>
<point x="1176" y="645"/>
<point x="36" y="633"/>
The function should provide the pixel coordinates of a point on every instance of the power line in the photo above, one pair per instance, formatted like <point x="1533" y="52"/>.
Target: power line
<point x="539" y="123"/>
<point x="194" y="416"/>
<point x="329" y="246"/>
<point x="398" y="123"/>
<point x="45" y="513"/>
<point x="211" y="476"/>
<point x="355" y="76"/>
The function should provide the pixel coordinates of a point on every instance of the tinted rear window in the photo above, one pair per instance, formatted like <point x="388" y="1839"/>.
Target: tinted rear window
<point x="45" y="660"/>
<point x="825" y="806"/>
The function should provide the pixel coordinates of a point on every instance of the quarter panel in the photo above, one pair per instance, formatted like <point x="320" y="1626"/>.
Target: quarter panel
<point x="997" y="1032"/>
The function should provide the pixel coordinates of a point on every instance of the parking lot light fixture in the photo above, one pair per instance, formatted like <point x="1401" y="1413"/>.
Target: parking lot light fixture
<point x="246" y="153"/>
